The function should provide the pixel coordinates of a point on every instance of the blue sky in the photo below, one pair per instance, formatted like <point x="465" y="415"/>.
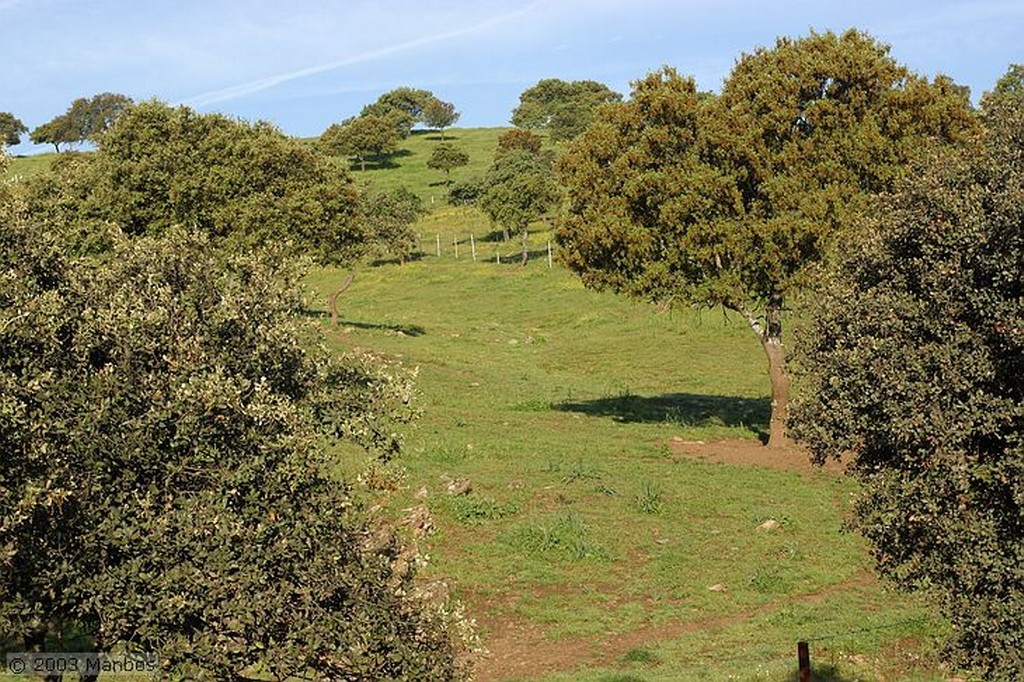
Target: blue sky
<point x="304" y="65"/>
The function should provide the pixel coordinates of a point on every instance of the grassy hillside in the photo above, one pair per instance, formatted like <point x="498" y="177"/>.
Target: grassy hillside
<point x="623" y="524"/>
<point x="25" y="167"/>
<point x="591" y="547"/>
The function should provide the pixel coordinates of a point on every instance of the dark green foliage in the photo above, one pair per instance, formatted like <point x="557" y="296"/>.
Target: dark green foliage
<point x="685" y="197"/>
<point x="85" y="119"/>
<point x="466" y="193"/>
<point x="520" y="187"/>
<point x="913" y="368"/>
<point x="163" y="419"/>
<point x="11" y="130"/>
<point x="563" y="108"/>
<point x="390" y="217"/>
<point x="366" y="137"/>
<point x="439" y="114"/>
<point x="446" y="157"/>
<point x="244" y="184"/>
<point x="404" y="107"/>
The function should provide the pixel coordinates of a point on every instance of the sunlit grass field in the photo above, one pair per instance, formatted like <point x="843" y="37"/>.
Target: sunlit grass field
<point x="583" y="531"/>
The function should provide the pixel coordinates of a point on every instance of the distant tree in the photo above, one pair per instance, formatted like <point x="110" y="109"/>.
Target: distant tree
<point x="403" y="106"/>
<point x="85" y="119"/>
<point x="446" y="157"/>
<point x="366" y="137"/>
<point x="732" y="200"/>
<point x="439" y="115"/>
<point x="912" y="371"/>
<point x="56" y="132"/>
<point x="164" y="485"/>
<point x="518" y="139"/>
<point x="519" y="188"/>
<point x="563" y="108"/>
<point x="390" y="216"/>
<point x="100" y="113"/>
<point x="243" y="184"/>
<point x="11" y="130"/>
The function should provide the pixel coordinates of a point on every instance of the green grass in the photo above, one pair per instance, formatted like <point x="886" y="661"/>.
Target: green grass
<point x="557" y="403"/>
<point x="26" y="167"/>
<point x="408" y="168"/>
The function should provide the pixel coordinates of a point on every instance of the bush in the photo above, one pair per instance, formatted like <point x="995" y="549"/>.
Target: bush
<point x="164" y="418"/>
<point x="243" y="184"/>
<point x="913" y="365"/>
<point x="467" y="192"/>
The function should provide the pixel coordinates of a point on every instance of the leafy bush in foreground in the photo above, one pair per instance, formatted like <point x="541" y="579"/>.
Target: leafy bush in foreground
<point x="163" y="485"/>
<point x="914" y="365"/>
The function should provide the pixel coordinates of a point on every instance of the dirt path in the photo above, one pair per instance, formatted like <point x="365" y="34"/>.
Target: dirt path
<point x="751" y="453"/>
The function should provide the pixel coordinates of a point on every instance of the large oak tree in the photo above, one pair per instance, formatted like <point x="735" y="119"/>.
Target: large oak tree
<point x="731" y="200"/>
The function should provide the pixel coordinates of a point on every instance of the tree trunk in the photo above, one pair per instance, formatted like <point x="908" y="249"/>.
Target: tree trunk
<point x="332" y="301"/>
<point x="770" y="336"/>
<point x="526" y="253"/>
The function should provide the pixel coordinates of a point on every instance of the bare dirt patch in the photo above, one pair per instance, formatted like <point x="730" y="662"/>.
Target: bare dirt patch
<point x="741" y="452"/>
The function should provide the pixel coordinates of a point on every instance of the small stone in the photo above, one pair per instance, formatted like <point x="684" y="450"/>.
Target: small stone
<point x="770" y="524"/>
<point x="717" y="587"/>
<point x="460" y="486"/>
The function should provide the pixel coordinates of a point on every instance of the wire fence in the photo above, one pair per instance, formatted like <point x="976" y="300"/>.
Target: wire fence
<point x="484" y="250"/>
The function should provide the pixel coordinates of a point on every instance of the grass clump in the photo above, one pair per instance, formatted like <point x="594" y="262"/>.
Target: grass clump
<point x="564" y="536"/>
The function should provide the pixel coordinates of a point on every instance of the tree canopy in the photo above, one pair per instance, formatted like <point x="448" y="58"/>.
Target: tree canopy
<point x="85" y="119"/>
<point x="164" y="485"/>
<point x="370" y="136"/>
<point x="405" y="107"/>
<point x="518" y="188"/>
<point x="247" y="184"/>
<point x="563" y="108"/>
<point x="439" y="114"/>
<point x="518" y="139"/>
<point x="446" y="157"/>
<point x="11" y="130"/>
<point x="731" y="200"/>
<point x="912" y="371"/>
<point x="390" y="217"/>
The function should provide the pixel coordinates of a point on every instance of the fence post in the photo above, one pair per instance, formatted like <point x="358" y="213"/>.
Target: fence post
<point x="549" y="255"/>
<point x="438" y="245"/>
<point x="803" y="656"/>
<point x="455" y="243"/>
<point x="472" y="244"/>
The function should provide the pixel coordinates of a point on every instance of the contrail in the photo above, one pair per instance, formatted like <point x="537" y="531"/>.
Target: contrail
<point x="244" y="89"/>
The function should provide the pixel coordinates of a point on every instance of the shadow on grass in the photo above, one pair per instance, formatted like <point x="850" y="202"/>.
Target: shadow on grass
<point x="822" y="673"/>
<point x="685" y="409"/>
<point x="407" y="329"/>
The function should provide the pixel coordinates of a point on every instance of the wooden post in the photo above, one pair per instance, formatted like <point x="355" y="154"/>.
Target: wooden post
<point x="497" y="256"/>
<point x="455" y="243"/>
<point x="803" y="656"/>
<point x="472" y="245"/>
<point x="549" y="255"/>
<point x="438" y="246"/>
